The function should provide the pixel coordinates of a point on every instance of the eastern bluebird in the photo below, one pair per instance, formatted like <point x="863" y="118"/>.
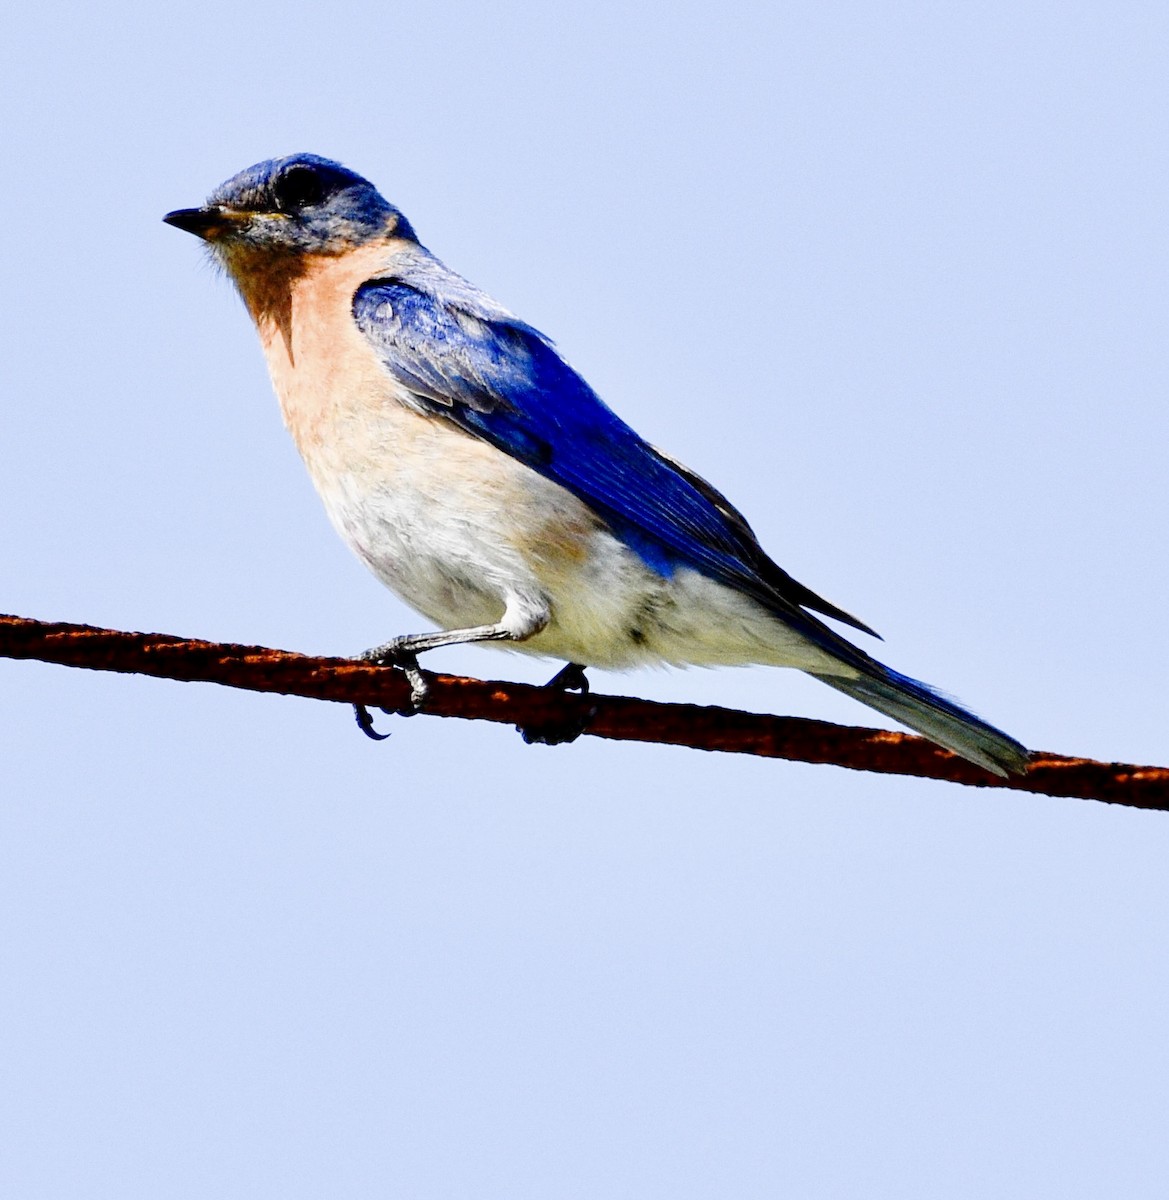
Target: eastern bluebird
<point x="481" y="478"/>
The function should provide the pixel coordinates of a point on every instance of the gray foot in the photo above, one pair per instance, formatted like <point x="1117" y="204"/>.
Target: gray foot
<point x="393" y="654"/>
<point x="397" y="652"/>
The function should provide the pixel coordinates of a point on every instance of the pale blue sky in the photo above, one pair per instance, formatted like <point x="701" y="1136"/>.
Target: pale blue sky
<point x="891" y="275"/>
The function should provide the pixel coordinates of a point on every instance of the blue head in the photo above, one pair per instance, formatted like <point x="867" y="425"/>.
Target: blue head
<point x="301" y="204"/>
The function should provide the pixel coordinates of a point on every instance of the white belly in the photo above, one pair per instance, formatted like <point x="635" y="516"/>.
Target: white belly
<point x="457" y="529"/>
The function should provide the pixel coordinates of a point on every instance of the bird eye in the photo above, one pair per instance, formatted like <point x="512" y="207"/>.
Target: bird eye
<point x="297" y="188"/>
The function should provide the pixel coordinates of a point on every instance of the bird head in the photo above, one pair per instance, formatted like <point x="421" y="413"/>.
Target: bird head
<point x="301" y="204"/>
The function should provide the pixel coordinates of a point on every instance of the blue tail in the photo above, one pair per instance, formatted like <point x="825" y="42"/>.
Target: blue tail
<point x="933" y="716"/>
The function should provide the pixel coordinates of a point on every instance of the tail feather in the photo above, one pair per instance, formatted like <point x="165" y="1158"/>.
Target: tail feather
<point x="926" y="712"/>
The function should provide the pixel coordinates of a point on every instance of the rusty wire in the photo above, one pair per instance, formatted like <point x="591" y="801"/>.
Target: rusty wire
<point x="621" y="718"/>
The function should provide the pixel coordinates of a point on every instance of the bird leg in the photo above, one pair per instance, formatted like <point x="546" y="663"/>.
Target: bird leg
<point x="520" y="621"/>
<point x="570" y="678"/>
<point x="403" y="652"/>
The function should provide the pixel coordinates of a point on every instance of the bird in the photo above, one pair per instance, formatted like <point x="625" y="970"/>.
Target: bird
<point x="481" y="478"/>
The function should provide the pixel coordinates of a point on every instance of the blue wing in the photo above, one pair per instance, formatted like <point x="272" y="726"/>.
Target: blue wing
<point x="465" y="360"/>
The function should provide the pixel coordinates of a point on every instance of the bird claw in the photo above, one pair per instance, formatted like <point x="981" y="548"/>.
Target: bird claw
<point x="560" y="731"/>
<point x="365" y="723"/>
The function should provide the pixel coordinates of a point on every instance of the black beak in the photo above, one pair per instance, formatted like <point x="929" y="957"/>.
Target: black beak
<point x="209" y="223"/>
